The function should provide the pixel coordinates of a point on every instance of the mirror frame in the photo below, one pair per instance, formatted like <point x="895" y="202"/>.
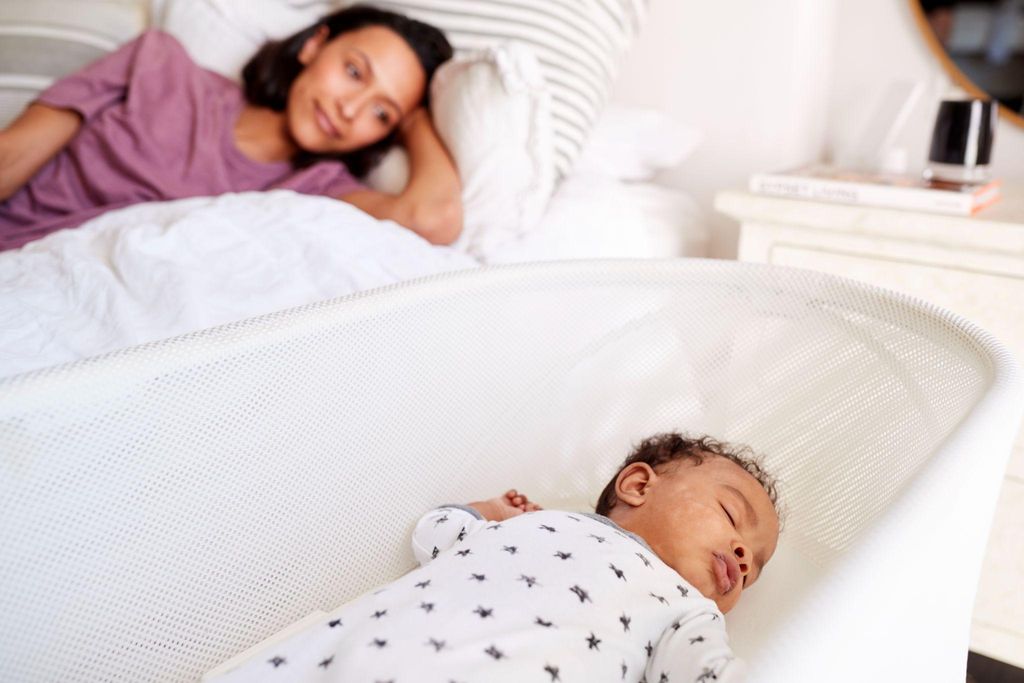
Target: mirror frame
<point x="954" y="72"/>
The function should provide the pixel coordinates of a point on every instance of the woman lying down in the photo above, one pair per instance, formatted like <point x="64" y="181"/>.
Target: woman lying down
<point x="506" y="591"/>
<point x="317" y="110"/>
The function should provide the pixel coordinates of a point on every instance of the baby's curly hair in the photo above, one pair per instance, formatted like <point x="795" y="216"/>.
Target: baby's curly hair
<point x="662" y="449"/>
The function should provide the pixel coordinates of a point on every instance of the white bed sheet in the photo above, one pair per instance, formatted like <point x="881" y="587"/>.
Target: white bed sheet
<point x="156" y="270"/>
<point x="593" y="216"/>
<point x="153" y="271"/>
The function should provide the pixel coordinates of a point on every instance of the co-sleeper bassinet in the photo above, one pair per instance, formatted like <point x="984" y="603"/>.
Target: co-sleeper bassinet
<point x="165" y="507"/>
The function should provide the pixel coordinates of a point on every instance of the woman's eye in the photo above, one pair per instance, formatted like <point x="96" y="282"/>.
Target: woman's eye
<point x="353" y="71"/>
<point x="383" y="116"/>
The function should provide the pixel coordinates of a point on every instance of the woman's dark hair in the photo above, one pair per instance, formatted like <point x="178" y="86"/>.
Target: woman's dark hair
<point x="268" y="76"/>
<point x="662" y="449"/>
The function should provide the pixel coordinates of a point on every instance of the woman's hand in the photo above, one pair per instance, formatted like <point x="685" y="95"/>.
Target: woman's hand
<point x="431" y="203"/>
<point x="504" y="507"/>
<point x="413" y="119"/>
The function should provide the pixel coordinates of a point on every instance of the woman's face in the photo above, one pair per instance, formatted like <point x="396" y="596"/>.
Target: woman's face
<point x="354" y="89"/>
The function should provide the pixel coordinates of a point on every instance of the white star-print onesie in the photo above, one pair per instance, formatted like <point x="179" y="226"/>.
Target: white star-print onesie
<point x="545" y="596"/>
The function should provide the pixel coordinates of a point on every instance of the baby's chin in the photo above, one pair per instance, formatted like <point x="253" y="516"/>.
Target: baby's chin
<point x="727" y="602"/>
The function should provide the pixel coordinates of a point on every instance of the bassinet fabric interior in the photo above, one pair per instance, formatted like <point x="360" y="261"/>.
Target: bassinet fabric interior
<point x="169" y="505"/>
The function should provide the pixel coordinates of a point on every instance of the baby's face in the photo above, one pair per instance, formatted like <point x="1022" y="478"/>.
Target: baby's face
<point x="713" y="523"/>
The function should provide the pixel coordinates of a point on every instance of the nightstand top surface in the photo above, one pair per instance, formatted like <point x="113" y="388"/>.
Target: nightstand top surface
<point x="999" y="227"/>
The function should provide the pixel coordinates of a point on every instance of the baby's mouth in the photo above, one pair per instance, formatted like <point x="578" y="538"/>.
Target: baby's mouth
<point x="726" y="573"/>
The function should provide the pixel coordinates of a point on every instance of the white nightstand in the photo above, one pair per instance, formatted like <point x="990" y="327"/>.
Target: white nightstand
<point x="974" y="266"/>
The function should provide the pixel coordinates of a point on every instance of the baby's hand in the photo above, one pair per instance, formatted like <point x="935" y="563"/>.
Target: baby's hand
<point x="503" y="507"/>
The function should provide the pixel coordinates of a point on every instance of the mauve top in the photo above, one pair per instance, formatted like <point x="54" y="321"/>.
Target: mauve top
<point x="155" y="127"/>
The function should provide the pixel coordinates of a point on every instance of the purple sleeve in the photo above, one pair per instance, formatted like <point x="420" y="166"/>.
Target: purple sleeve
<point x="105" y="81"/>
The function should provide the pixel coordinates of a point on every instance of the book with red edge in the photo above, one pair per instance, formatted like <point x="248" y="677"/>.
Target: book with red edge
<point x="849" y="186"/>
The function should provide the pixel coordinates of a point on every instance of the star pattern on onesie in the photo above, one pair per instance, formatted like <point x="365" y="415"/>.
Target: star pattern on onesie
<point x="605" y="635"/>
<point x="531" y="581"/>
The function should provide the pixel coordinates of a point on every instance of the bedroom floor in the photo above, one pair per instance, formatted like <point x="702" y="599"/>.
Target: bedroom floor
<point x="981" y="669"/>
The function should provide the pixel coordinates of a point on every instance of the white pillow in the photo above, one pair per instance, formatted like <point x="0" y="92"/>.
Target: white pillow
<point x="492" y="110"/>
<point x="222" y="35"/>
<point x="578" y="43"/>
<point x="634" y="144"/>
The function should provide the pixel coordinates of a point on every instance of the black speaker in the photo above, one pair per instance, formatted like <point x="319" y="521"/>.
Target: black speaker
<point x="962" y="140"/>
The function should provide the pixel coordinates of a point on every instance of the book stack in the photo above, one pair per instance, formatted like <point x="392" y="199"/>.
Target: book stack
<point x="831" y="184"/>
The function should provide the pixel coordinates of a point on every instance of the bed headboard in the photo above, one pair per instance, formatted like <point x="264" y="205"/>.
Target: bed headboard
<point x="42" y="40"/>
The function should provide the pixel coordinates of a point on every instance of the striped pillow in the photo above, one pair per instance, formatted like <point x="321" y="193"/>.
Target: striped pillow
<point x="579" y="44"/>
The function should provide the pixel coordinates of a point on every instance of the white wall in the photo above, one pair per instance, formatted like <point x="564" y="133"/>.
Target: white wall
<point x="777" y="84"/>
<point x="752" y="75"/>
<point x="880" y="42"/>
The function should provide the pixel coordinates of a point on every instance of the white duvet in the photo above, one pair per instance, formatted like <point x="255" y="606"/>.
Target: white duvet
<point x="152" y="271"/>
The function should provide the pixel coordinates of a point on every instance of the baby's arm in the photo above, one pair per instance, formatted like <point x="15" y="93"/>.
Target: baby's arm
<point x="440" y="529"/>
<point x="503" y="507"/>
<point x="695" y="648"/>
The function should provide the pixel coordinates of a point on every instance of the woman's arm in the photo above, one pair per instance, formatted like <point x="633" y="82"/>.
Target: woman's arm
<point x="431" y="203"/>
<point x="33" y="139"/>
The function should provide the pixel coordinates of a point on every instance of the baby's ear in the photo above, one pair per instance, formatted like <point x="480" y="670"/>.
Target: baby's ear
<point x="632" y="482"/>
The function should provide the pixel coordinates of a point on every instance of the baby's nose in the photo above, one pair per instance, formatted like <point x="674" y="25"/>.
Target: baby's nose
<point x="743" y="558"/>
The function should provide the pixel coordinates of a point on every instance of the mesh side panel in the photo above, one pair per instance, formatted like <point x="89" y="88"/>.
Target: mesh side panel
<point x="167" y="506"/>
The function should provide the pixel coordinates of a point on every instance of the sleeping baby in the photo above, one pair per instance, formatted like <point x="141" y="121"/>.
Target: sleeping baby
<point x="506" y="591"/>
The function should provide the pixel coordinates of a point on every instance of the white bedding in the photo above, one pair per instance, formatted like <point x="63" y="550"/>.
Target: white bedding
<point x="156" y="270"/>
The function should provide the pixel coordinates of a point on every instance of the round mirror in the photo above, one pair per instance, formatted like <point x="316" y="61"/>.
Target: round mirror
<point x="981" y="45"/>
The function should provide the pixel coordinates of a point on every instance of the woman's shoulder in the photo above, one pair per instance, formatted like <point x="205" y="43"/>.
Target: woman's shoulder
<point x="156" y="42"/>
<point x="160" y="62"/>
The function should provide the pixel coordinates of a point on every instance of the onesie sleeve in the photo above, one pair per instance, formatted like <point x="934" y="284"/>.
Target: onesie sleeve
<point x="440" y="529"/>
<point x="695" y="649"/>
